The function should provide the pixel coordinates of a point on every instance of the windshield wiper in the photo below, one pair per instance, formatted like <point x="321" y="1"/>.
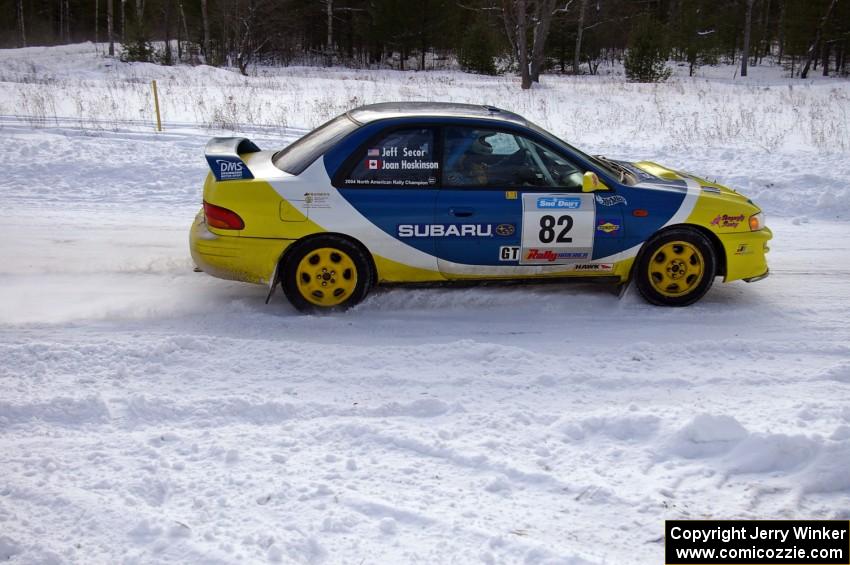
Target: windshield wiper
<point x="624" y="172"/>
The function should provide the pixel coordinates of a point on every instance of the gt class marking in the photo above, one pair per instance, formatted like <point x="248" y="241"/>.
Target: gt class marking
<point x="509" y="253"/>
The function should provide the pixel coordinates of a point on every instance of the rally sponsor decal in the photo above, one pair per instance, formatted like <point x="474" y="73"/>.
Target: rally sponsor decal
<point x="556" y="228"/>
<point x="558" y="203"/>
<point x="534" y="256"/>
<point x="610" y="200"/>
<point x="230" y="169"/>
<point x="727" y="221"/>
<point x="606" y="226"/>
<point x="594" y="267"/>
<point x="456" y="230"/>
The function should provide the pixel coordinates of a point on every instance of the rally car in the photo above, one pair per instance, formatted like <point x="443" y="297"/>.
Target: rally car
<point x="429" y="192"/>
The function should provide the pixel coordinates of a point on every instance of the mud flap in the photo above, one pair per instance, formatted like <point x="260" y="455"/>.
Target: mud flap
<point x="272" y="283"/>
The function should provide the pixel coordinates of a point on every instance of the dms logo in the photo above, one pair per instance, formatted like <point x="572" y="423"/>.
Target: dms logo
<point x="229" y="169"/>
<point x="558" y="203"/>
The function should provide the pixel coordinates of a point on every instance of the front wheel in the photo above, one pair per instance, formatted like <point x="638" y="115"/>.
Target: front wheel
<point x="326" y="273"/>
<point x="676" y="268"/>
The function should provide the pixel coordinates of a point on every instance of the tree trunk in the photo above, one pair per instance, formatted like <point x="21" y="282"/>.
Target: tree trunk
<point x="123" y="21"/>
<point x="168" y="59"/>
<point x="825" y="58"/>
<point x="21" y="28"/>
<point x="579" y="33"/>
<point x="329" y="45"/>
<point x="206" y="24"/>
<point x="543" y="12"/>
<point x="513" y="13"/>
<point x="812" y="48"/>
<point x="781" y="29"/>
<point x="765" y="31"/>
<point x="745" y="55"/>
<point x="109" y="30"/>
<point x="522" y="43"/>
<point x="140" y="12"/>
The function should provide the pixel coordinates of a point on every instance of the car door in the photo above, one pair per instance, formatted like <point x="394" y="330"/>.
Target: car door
<point x="516" y="203"/>
<point x="391" y="181"/>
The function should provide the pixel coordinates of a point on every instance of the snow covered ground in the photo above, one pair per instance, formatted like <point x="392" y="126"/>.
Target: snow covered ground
<point x="152" y="414"/>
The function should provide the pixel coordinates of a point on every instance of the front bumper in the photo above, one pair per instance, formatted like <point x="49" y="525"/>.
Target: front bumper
<point x="746" y="254"/>
<point x="248" y="259"/>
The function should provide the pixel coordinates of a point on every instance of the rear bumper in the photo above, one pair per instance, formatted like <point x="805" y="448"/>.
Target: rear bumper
<point x="248" y="259"/>
<point x="746" y="254"/>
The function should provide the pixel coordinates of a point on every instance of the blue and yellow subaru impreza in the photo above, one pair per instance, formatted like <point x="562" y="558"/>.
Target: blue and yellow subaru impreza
<point x="427" y="192"/>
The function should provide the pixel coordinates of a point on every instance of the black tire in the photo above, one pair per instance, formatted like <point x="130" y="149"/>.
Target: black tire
<point x="298" y="296"/>
<point x="653" y="263"/>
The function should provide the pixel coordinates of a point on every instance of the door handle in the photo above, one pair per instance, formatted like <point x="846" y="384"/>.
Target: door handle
<point x="461" y="212"/>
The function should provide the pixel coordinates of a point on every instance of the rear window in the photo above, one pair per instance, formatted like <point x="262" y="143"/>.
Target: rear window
<point x="300" y="154"/>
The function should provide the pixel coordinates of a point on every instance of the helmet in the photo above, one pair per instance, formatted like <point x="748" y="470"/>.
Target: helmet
<point x="481" y="146"/>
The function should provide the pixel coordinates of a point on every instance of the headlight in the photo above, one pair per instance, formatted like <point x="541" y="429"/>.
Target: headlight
<point x="757" y="221"/>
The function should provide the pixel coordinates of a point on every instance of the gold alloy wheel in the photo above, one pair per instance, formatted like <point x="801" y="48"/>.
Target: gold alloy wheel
<point x="326" y="276"/>
<point x="676" y="268"/>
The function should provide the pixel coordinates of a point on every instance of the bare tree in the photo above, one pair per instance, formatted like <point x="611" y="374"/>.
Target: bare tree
<point x="579" y="32"/>
<point x="516" y="26"/>
<point x="123" y="21"/>
<point x="109" y="30"/>
<point x="206" y="23"/>
<point x="745" y="56"/>
<point x="329" y="45"/>
<point x="21" y="29"/>
<point x="543" y="10"/>
<point x="812" y="48"/>
<point x="515" y="15"/>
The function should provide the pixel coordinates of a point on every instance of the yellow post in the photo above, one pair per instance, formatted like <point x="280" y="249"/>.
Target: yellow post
<point x="156" y="106"/>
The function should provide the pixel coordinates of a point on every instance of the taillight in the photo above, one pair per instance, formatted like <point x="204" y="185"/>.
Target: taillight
<point x="222" y="218"/>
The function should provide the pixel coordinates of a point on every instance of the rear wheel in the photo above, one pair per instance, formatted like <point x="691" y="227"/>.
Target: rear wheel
<point x="326" y="273"/>
<point x="676" y="268"/>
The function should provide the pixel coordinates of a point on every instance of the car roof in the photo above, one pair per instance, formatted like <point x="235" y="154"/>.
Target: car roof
<point x="385" y="110"/>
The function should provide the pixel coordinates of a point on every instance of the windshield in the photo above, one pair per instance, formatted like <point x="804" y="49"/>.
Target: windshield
<point x="300" y="154"/>
<point x="607" y="166"/>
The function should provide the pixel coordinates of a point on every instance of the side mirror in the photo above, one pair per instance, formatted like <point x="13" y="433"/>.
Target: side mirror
<point x="590" y="182"/>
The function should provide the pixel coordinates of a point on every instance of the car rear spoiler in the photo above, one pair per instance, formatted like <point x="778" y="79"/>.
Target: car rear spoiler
<point x="223" y="157"/>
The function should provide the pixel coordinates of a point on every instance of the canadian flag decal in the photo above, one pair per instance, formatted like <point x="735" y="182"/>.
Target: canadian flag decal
<point x="374" y="164"/>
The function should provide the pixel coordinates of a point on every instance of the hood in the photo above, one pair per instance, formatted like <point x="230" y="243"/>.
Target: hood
<point x="649" y="173"/>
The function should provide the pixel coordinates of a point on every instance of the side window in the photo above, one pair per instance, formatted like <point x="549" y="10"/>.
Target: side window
<point x="402" y="157"/>
<point x="481" y="157"/>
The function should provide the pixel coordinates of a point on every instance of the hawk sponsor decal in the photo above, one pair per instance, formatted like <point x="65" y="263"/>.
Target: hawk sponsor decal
<point x="594" y="267"/>
<point x="228" y="170"/>
<point x="610" y="200"/>
<point x="726" y="221"/>
<point x="608" y="227"/>
<point x="511" y="195"/>
<point x="558" y="203"/>
<point x="551" y="255"/>
<point x="509" y="253"/>
<point x="454" y="230"/>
